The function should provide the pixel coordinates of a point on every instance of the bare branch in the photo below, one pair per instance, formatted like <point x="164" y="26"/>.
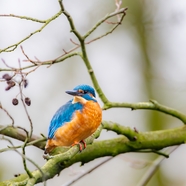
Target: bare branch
<point x="14" y="46"/>
<point x="1" y="107"/>
<point x="28" y="59"/>
<point x="17" y="133"/>
<point x="153" y="168"/>
<point x="87" y="172"/>
<point x="23" y="17"/>
<point x="74" y="42"/>
<point x="25" y="108"/>
<point x="121" y="11"/>
<point x="23" y="153"/>
<point x="31" y="161"/>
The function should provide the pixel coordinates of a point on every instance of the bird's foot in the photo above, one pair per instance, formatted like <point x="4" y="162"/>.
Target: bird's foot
<point x="80" y="145"/>
<point x="84" y="143"/>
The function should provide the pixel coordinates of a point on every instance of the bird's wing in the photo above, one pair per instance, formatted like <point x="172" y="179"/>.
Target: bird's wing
<point x="63" y="115"/>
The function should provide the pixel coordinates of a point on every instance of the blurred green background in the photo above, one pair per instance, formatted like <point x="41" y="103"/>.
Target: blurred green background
<point x="145" y="58"/>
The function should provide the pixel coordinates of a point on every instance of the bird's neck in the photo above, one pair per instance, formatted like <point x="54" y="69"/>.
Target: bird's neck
<point x="78" y="99"/>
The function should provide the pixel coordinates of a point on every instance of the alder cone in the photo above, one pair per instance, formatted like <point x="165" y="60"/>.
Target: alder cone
<point x="28" y="101"/>
<point x="15" y="101"/>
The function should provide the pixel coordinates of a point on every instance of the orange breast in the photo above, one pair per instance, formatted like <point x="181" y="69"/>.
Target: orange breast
<point x="83" y="124"/>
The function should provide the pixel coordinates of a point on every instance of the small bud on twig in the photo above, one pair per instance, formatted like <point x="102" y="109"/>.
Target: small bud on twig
<point x="25" y="83"/>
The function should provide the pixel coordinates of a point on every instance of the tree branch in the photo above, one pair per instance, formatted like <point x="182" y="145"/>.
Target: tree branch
<point x="121" y="11"/>
<point x="23" y="17"/>
<point x="153" y="168"/>
<point x="46" y="22"/>
<point x="19" y="134"/>
<point x="151" y="105"/>
<point x="145" y="140"/>
<point x="55" y="162"/>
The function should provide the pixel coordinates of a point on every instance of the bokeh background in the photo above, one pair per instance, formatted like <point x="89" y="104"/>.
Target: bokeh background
<point x="145" y="58"/>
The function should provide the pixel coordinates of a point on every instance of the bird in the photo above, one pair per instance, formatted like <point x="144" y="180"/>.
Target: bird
<point x="76" y="120"/>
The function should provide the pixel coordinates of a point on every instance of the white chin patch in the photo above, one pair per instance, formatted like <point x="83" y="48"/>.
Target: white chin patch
<point x="78" y="99"/>
<point x="93" y="97"/>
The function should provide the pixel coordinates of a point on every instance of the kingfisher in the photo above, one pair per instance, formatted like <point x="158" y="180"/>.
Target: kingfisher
<point x="76" y="120"/>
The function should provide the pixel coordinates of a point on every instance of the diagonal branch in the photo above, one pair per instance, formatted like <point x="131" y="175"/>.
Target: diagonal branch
<point x="14" y="46"/>
<point x="121" y="11"/>
<point x="1" y="107"/>
<point x="70" y="20"/>
<point x="153" y="168"/>
<point x="48" y="62"/>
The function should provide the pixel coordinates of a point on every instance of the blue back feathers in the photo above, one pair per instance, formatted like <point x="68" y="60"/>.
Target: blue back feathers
<point x="65" y="112"/>
<point x="63" y="115"/>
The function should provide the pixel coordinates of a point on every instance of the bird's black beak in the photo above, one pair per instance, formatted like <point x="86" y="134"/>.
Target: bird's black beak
<point x="74" y="92"/>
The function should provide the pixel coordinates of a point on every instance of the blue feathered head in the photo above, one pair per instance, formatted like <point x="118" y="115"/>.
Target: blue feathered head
<point x="84" y="91"/>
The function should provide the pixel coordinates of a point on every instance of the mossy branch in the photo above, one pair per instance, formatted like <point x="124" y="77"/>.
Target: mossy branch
<point x="52" y="167"/>
<point x="129" y="141"/>
<point x="151" y="105"/>
<point x="17" y="133"/>
<point x="155" y="140"/>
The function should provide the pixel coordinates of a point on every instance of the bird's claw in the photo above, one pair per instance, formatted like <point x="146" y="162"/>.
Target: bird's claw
<point x="80" y="145"/>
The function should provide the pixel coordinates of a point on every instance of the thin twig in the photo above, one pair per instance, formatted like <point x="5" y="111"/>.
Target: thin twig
<point x="107" y="33"/>
<point x="153" y="168"/>
<point x="20" y="146"/>
<point x="8" y="65"/>
<point x="63" y="57"/>
<point x="74" y="42"/>
<point x="25" y="108"/>
<point x="7" y="114"/>
<point x="22" y="155"/>
<point x="23" y="17"/>
<point x="70" y="20"/>
<point x="14" y="46"/>
<point x="27" y="56"/>
<point x="154" y="151"/>
<point x="118" y="6"/>
<point x="121" y="11"/>
<point x="87" y="172"/>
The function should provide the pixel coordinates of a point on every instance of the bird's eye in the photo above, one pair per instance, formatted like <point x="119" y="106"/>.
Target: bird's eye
<point x="85" y="92"/>
<point x="81" y="91"/>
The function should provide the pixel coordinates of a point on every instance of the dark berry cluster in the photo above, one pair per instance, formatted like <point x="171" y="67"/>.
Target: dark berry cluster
<point x="11" y="83"/>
